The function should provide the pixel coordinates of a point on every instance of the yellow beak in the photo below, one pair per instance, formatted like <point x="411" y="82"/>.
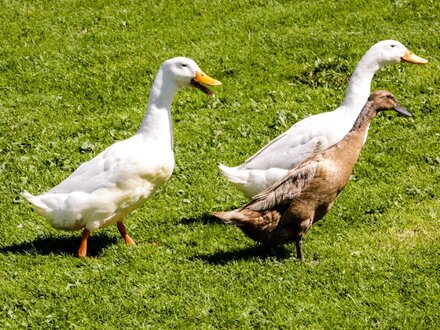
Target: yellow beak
<point x="412" y="58"/>
<point x="203" y="78"/>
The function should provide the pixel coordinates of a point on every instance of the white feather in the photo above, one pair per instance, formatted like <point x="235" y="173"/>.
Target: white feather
<point x="315" y="133"/>
<point x="105" y="189"/>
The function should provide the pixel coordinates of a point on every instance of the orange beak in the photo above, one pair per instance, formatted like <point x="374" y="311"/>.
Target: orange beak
<point x="412" y="58"/>
<point x="203" y="78"/>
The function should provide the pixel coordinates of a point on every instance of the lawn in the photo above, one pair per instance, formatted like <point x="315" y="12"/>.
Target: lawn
<point x="75" y="77"/>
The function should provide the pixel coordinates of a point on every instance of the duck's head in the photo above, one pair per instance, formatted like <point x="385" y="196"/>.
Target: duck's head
<point x="384" y="100"/>
<point x="391" y="51"/>
<point x="185" y="72"/>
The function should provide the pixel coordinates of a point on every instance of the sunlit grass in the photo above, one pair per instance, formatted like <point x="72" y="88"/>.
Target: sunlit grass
<point x="74" y="78"/>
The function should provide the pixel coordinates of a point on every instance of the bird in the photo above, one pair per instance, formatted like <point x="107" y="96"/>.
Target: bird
<point x="105" y="189"/>
<point x="285" y="211"/>
<point x="317" y="132"/>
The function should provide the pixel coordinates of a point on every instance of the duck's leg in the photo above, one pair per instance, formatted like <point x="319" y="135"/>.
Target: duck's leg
<point x="82" y="251"/>
<point x="299" y="251"/>
<point x="128" y="240"/>
<point x="269" y="249"/>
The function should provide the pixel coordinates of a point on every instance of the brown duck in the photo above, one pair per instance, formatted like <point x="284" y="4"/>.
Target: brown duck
<point x="284" y="212"/>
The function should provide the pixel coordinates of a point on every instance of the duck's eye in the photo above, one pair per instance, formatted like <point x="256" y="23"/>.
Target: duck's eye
<point x="389" y="96"/>
<point x="184" y="65"/>
<point x="393" y="46"/>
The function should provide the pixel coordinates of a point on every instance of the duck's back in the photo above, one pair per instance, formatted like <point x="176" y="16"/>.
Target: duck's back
<point x="117" y="165"/>
<point x="311" y="135"/>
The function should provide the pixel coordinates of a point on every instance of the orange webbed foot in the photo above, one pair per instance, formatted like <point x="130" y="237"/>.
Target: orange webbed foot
<point x="128" y="240"/>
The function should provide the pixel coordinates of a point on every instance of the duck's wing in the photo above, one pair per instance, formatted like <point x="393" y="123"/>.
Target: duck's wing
<point x="310" y="135"/>
<point x="283" y="192"/>
<point x="106" y="170"/>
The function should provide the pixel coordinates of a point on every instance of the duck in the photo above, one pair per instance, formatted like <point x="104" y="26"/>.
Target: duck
<point x="318" y="132"/>
<point x="104" y="190"/>
<point x="284" y="212"/>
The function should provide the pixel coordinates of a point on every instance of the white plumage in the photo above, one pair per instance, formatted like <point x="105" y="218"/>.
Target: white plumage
<point x="316" y="133"/>
<point x="102" y="191"/>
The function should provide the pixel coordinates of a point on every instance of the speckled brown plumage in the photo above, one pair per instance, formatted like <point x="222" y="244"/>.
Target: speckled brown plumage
<point x="284" y="212"/>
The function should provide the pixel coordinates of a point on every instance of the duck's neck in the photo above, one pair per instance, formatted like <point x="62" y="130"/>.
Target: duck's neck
<point x="157" y="123"/>
<point x="350" y="146"/>
<point x="360" y="83"/>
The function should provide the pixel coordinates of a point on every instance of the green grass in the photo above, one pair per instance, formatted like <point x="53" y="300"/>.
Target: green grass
<point x="74" y="78"/>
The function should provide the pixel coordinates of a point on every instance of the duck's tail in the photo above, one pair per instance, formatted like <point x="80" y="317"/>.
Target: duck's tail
<point x="252" y="181"/>
<point x="239" y="178"/>
<point x="231" y="217"/>
<point x="36" y="203"/>
<point x="239" y="217"/>
<point x="233" y="174"/>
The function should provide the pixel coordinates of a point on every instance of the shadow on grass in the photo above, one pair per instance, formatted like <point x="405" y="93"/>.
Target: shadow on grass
<point x="61" y="245"/>
<point x="206" y="219"/>
<point x="255" y="252"/>
<point x="258" y="251"/>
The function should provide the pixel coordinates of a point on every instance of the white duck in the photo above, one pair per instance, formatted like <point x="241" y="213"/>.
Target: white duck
<point x="102" y="191"/>
<point x="316" y="133"/>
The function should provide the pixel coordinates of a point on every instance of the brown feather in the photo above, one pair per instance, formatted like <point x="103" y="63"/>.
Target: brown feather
<point x="284" y="212"/>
